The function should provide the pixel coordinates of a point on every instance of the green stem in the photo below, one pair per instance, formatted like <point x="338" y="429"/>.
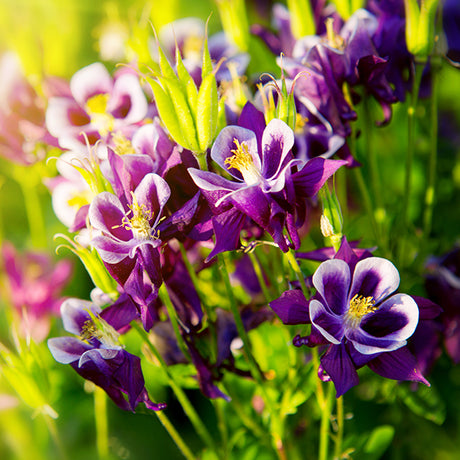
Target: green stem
<point x="102" y="427"/>
<point x="253" y="366"/>
<point x="180" y="394"/>
<point x="50" y="423"/>
<point x="218" y="405"/>
<point x="339" y="436"/>
<point x="260" y="276"/>
<point x="411" y="139"/>
<point x="164" y="296"/>
<point x="430" y="189"/>
<point x="29" y="187"/>
<point x="325" y="425"/>
<point x="202" y="160"/>
<point x="210" y="314"/>
<point x="175" y="436"/>
<point x="375" y="182"/>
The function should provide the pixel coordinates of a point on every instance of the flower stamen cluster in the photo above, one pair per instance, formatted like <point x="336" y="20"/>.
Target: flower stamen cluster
<point x="96" y="107"/>
<point x="244" y="163"/>
<point x="360" y="306"/>
<point x="97" y="328"/>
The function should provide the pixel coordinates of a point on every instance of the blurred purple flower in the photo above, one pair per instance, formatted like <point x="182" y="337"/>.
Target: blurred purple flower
<point x="97" y="354"/>
<point x="99" y="106"/>
<point x="34" y="284"/>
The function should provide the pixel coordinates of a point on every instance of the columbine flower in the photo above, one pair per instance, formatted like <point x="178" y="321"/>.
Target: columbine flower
<point x="261" y="163"/>
<point x="357" y="313"/>
<point x="128" y="242"/>
<point x="97" y="354"/>
<point x="99" y="107"/>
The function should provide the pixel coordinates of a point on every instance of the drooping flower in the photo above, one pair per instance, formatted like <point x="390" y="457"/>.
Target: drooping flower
<point x="357" y="313"/>
<point x="97" y="354"/>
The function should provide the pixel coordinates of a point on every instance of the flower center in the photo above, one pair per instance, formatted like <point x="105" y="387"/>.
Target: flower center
<point x="122" y="145"/>
<point x="334" y="40"/>
<point x="97" y="328"/>
<point x="139" y="223"/>
<point x="243" y="162"/>
<point x="96" y="107"/>
<point x="359" y="307"/>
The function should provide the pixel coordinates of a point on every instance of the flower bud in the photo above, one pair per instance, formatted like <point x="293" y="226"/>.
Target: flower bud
<point x="420" y="19"/>
<point x="302" y="19"/>
<point x="235" y="22"/>
<point x="331" y="220"/>
<point x="346" y="8"/>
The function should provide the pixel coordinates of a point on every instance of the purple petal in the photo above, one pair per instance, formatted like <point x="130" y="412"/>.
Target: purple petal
<point x="332" y="281"/>
<point x="427" y="308"/>
<point x="375" y="277"/>
<point x="314" y="174"/>
<point x="397" y="365"/>
<point x="330" y="325"/>
<point x="106" y="214"/>
<point x="277" y="141"/>
<point x="254" y="120"/>
<point x="153" y="192"/>
<point x="89" y="81"/>
<point x="227" y="228"/>
<point x="206" y="180"/>
<point x="387" y="328"/>
<point x="127" y="100"/>
<point x="67" y="350"/>
<point x="340" y="368"/>
<point x="113" y="251"/>
<point x="291" y="307"/>
<point x="75" y="313"/>
<point x="225" y="143"/>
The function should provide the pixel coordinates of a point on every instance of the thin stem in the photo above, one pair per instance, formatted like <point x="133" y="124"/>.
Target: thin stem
<point x="102" y="427"/>
<point x="164" y="296"/>
<point x="411" y="139"/>
<point x="260" y="276"/>
<point x="430" y="189"/>
<point x="325" y="425"/>
<point x="339" y="436"/>
<point x="253" y="366"/>
<point x="290" y="255"/>
<point x="29" y="187"/>
<point x="175" y="436"/>
<point x="375" y="182"/>
<point x="50" y="423"/>
<point x="180" y="394"/>
<point x="218" y="405"/>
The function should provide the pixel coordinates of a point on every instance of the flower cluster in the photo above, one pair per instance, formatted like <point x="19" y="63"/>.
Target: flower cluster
<point x="207" y="199"/>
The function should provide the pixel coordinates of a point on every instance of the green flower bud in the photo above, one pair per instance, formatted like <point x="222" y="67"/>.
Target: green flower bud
<point x="420" y="20"/>
<point x="235" y="22"/>
<point x="189" y="113"/>
<point x="331" y="219"/>
<point x="302" y="19"/>
<point x="346" y="8"/>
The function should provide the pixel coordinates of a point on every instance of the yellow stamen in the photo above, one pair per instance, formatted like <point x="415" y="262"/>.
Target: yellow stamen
<point x="243" y="162"/>
<point x="359" y="307"/>
<point x="334" y="40"/>
<point x="96" y="107"/>
<point x="122" y="145"/>
<point x="97" y="328"/>
<point x="139" y="223"/>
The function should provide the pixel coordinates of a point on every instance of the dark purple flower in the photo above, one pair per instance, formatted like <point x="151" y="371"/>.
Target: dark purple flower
<point x="97" y="354"/>
<point x="443" y="287"/>
<point x="264" y="188"/>
<point x="358" y="315"/>
<point x="128" y="241"/>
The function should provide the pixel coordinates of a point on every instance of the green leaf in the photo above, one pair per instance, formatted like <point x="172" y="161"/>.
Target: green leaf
<point x="425" y="402"/>
<point x="378" y="441"/>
